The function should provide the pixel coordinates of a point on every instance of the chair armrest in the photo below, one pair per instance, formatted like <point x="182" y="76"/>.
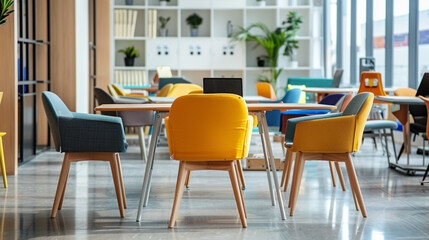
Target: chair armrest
<point x="329" y="135"/>
<point x="92" y="133"/>
<point x="137" y="96"/>
<point x="291" y="124"/>
<point x="248" y="136"/>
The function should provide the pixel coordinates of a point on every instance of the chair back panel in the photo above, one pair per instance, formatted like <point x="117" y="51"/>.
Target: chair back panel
<point x="338" y="75"/>
<point x="292" y="96"/>
<point x="182" y="89"/>
<point x="112" y="91"/>
<point x="426" y="100"/>
<point x="406" y="92"/>
<point x="266" y="90"/>
<point x="165" y="90"/>
<point x="103" y="97"/>
<point x="346" y="101"/>
<point x="118" y="90"/>
<point x="423" y="90"/>
<point x="208" y="127"/>
<point x="332" y="99"/>
<point x="371" y="82"/>
<point x="55" y="108"/>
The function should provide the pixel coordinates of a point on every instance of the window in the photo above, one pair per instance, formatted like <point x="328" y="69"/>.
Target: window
<point x="379" y="37"/>
<point x="423" y="38"/>
<point x="400" y="43"/>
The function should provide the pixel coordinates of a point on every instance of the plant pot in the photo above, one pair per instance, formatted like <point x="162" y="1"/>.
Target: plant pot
<point x="194" y="32"/>
<point x="163" y="3"/>
<point x="261" y="62"/>
<point x="129" y="2"/>
<point x="163" y="32"/>
<point x="262" y="3"/>
<point x="129" y="61"/>
<point x="293" y="64"/>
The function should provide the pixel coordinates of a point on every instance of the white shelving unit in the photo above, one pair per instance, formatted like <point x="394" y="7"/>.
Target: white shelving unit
<point x="212" y="53"/>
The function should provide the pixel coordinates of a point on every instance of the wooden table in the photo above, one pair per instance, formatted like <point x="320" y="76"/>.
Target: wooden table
<point x="322" y="92"/>
<point x="161" y="110"/>
<point x="248" y="99"/>
<point x="403" y="115"/>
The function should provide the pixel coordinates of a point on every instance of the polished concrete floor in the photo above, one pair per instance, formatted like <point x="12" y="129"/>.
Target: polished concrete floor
<point x="397" y="205"/>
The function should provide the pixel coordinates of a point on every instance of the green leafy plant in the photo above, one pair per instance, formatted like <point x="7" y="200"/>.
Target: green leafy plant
<point x="194" y="20"/>
<point x="164" y="21"/>
<point x="293" y="21"/>
<point x="5" y="11"/>
<point x="130" y="52"/>
<point x="272" y="42"/>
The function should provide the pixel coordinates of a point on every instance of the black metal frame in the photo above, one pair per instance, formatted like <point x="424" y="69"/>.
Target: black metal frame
<point x="28" y="87"/>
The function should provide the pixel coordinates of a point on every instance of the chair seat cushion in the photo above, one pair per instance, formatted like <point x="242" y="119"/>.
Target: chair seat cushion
<point x="380" y="124"/>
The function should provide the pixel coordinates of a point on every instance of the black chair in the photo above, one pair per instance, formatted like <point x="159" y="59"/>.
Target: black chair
<point x="138" y="119"/>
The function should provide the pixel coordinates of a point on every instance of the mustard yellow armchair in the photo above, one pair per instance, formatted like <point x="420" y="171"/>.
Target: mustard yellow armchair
<point x="330" y="137"/>
<point x="208" y="132"/>
<point x="181" y="89"/>
<point x="117" y="91"/>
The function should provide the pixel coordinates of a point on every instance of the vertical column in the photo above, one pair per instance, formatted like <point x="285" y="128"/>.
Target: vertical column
<point x="340" y="33"/>
<point x="369" y="28"/>
<point x="103" y="34"/>
<point x="326" y="37"/>
<point x="388" y="41"/>
<point x="9" y="87"/>
<point x="353" y="46"/>
<point x="413" y="44"/>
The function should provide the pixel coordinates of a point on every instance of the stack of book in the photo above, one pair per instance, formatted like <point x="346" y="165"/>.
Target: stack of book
<point x="125" y="23"/>
<point x="152" y="20"/>
<point x="131" y="77"/>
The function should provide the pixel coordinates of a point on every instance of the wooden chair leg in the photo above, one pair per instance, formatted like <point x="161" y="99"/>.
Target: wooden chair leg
<point x="331" y="167"/>
<point x="355" y="200"/>
<point x="285" y="168"/>
<point x="241" y="174"/>
<point x="236" y="189"/>
<point x="117" y="183"/>
<point x="65" y="168"/>
<point x="124" y="197"/>
<point x="289" y="169"/>
<point x="354" y="183"/>
<point x="179" y="192"/>
<point x="340" y="175"/>
<point x="241" y="190"/>
<point x="3" y="167"/>
<point x="295" y="175"/>
<point x="60" y="206"/>
<point x="298" y="184"/>
<point x="188" y="179"/>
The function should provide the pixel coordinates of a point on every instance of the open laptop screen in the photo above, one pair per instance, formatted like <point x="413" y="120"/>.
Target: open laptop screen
<point x="223" y="85"/>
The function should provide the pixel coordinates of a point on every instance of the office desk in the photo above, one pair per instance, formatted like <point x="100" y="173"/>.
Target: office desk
<point x="322" y="92"/>
<point x="403" y="115"/>
<point x="162" y="109"/>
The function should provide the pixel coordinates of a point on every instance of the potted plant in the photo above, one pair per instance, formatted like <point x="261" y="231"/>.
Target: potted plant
<point x="163" y="2"/>
<point x="163" y="31"/>
<point x="261" y="61"/>
<point x="261" y="3"/>
<point x="5" y="6"/>
<point x="130" y="54"/>
<point x="194" y="20"/>
<point x="293" y="22"/>
<point x="272" y="42"/>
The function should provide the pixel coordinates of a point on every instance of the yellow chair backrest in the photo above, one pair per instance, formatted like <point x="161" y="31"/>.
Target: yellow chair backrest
<point x="1" y="96"/>
<point x="361" y="119"/>
<point x="264" y="89"/>
<point x="165" y="90"/>
<point x="181" y="89"/>
<point x="405" y="92"/>
<point x="112" y="91"/>
<point x="371" y="82"/>
<point x="118" y="90"/>
<point x="208" y="127"/>
<point x="426" y="100"/>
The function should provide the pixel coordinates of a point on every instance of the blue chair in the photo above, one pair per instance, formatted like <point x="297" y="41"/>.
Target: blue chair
<point x="85" y="137"/>
<point x="274" y="117"/>
<point x="292" y="96"/>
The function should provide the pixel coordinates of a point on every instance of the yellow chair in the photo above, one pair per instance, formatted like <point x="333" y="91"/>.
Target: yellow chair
<point x="121" y="93"/>
<point x="164" y="90"/>
<point x="181" y="89"/>
<point x="3" y="167"/>
<point x="213" y="139"/>
<point x="266" y="90"/>
<point x="330" y="137"/>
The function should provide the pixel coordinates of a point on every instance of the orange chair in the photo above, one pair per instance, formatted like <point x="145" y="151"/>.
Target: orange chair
<point x="405" y="92"/>
<point x="266" y="90"/>
<point x="371" y="82"/>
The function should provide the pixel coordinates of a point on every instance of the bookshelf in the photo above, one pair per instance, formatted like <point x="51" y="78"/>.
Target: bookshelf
<point x="212" y="53"/>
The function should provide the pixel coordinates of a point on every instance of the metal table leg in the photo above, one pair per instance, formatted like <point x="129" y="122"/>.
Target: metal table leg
<point x="144" y="194"/>
<point x="267" y="165"/>
<point x="273" y="166"/>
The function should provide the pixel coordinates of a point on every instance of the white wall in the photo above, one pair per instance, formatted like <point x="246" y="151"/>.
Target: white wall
<point x="82" y="56"/>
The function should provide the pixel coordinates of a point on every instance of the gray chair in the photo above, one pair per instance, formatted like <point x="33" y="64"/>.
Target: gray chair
<point x="338" y="75"/>
<point x="138" y="119"/>
<point x="85" y="137"/>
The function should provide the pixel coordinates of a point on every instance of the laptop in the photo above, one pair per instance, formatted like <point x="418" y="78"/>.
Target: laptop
<point x="223" y="85"/>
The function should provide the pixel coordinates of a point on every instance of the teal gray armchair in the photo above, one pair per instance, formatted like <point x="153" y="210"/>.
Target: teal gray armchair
<point x="85" y="137"/>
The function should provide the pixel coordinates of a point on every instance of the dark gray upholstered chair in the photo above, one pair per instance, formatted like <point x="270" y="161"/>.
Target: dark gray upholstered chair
<point x="85" y="137"/>
<point x="138" y="119"/>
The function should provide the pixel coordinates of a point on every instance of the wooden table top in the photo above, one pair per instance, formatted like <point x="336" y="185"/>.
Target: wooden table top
<point x="248" y="99"/>
<point x="339" y="90"/>
<point x="165" y="107"/>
